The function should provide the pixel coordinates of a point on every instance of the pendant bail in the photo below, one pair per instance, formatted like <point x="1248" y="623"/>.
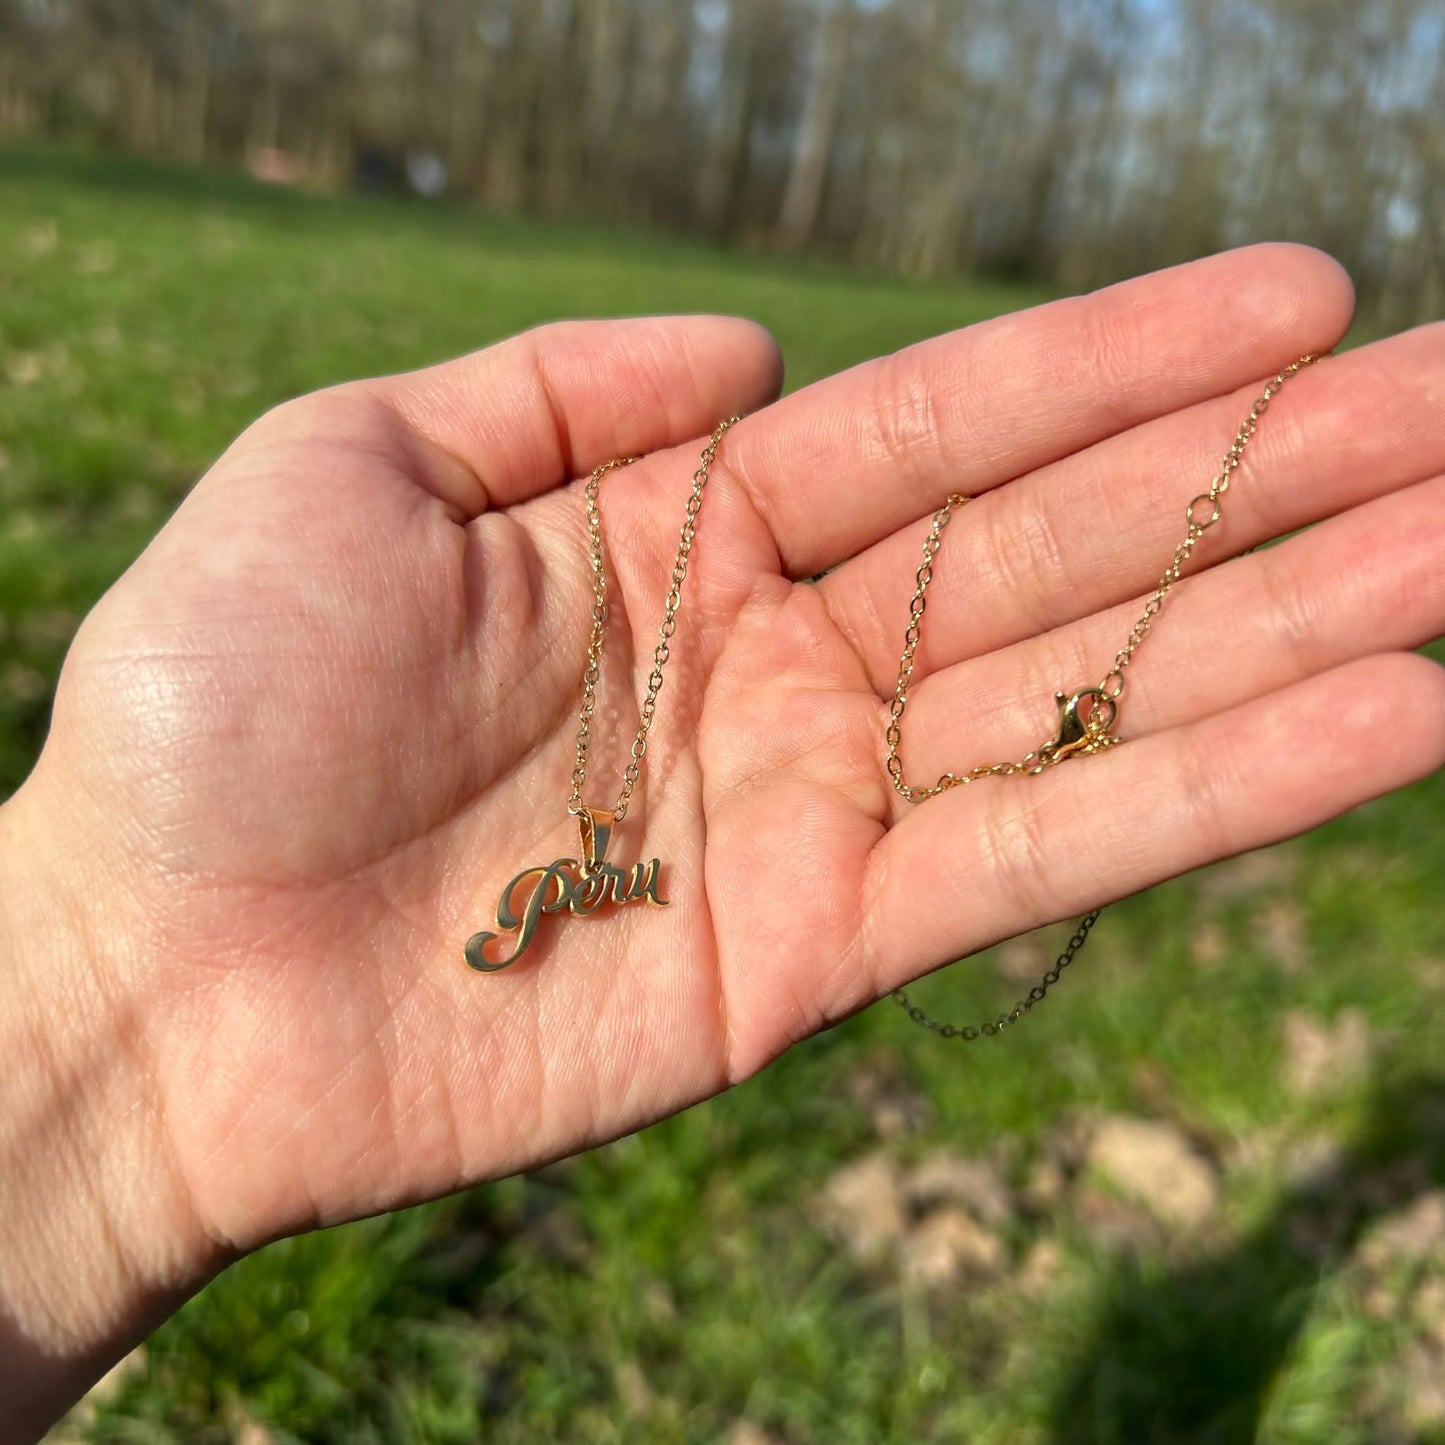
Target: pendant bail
<point x="595" y="825"/>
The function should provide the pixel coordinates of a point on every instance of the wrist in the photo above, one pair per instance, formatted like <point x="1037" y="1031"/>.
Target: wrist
<point x="99" y="1241"/>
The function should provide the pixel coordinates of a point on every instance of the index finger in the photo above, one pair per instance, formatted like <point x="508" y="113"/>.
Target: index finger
<point x="842" y="464"/>
<point x="532" y="412"/>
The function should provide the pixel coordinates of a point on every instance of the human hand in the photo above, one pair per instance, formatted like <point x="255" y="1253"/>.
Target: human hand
<point x="302" y="745"/>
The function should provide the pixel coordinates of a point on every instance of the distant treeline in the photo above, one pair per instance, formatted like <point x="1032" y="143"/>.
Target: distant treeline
<point x="1071" y="141"/>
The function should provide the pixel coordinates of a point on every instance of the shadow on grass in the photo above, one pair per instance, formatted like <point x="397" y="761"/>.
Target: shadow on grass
<point x="1188" y="1356"/>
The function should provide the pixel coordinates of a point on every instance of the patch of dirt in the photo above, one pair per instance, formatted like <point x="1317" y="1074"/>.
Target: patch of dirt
<point x="1414" y="1234"/>
<point x="1281" y="929"/>
<point x="1324" y="1059"/>
<point x="746" y="1433"/>
<point x="1041" y="1267"/>
<point x="1266" y="868"/>
<point x="1208" y="946"/>
<point x="862" y="1206"/>
<point x="632" y="1388"/>
<point x="1046" y="1184"/>
<point x="975" y="1185"/>
<point x="1423" y="1371"/>
<point x="1154" y="1164"/>
<point x="949" y="1245"/>
<point x="1113" y="1221"/>
<point x="896" y="1108"/>
<point x="933" y="1220"/>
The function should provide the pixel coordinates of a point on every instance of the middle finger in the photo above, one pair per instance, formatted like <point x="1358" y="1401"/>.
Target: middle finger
<point x="1098" y="528"/>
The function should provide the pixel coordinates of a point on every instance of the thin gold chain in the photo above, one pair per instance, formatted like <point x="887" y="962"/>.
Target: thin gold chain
<point x="1097" y="738"/>
<point x="1199" y="523"/>
<point x="597" y="557"/>
<point x="1086" y="719"/>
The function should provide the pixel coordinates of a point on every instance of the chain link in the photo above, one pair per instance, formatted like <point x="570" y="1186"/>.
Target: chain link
<point x="1198" y="523"/>
<point x="592" y="672"/>
<point x="1092" y="733"/>
<point x="969" y="1032"/>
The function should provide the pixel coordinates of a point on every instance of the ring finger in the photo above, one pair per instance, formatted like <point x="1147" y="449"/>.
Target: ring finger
<point x="1364" y="582"/>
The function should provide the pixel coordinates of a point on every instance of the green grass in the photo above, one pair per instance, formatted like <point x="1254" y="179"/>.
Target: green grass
<point x="681" y="1281"/>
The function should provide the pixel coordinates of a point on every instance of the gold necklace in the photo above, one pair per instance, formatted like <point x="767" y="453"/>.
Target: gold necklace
<point x="581" y="885"/>
<point x="1086" y="717"/>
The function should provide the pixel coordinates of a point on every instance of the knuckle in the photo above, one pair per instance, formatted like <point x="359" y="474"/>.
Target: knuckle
<point x="905" y="416"/>
<point x="1103" y="358"/>
<point x="1204" y="780"/>
<point x="1025" y="546"/>
<point x="1291" y="610"/>
<point x="1016" y="859"/>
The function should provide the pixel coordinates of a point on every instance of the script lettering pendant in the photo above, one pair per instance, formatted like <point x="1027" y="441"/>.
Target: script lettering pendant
<point x="566" y="886"/>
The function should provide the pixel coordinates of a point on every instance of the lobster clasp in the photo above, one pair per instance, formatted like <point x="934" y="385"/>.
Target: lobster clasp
<point x="1084" y="723"/>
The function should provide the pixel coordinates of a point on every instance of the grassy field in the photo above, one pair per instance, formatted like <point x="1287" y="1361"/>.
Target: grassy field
<point x="1198" y="1198"/>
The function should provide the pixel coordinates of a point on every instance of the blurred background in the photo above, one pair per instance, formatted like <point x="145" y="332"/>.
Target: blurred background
<point x="1201" y="1196"/>
<point x="1066" y="143"/>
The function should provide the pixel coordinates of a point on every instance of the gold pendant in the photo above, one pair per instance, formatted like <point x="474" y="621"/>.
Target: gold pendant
<point x="568" y="886"/>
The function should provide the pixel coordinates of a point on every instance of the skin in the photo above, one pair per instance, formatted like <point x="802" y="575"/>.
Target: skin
<point x="301" y="746"/>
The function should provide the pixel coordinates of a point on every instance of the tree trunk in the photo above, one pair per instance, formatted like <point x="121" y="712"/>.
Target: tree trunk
<point x="804" y="193"/>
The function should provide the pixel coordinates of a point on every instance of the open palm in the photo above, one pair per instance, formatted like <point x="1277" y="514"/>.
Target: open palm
<point x="331" y="711"/>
